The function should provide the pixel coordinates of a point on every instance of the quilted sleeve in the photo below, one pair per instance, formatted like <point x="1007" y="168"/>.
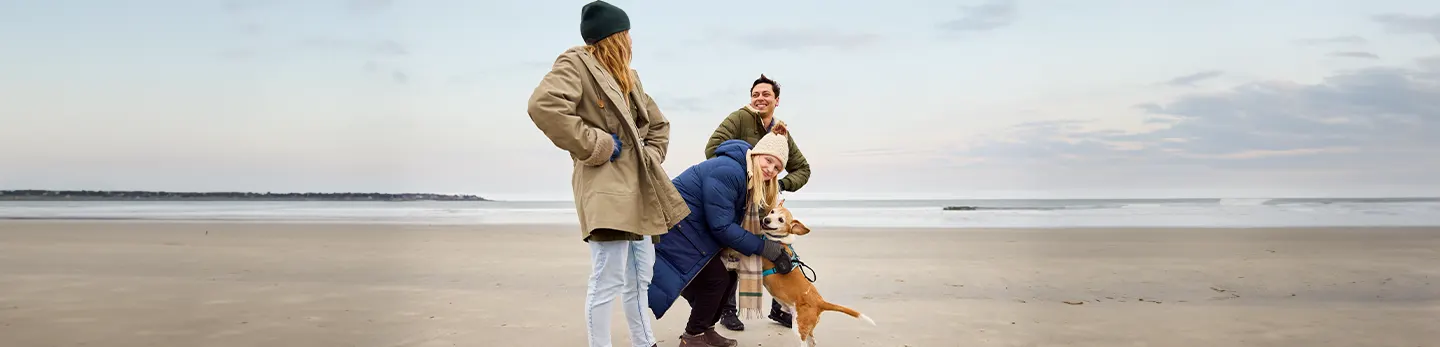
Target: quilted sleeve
<point x="723" y="190"/>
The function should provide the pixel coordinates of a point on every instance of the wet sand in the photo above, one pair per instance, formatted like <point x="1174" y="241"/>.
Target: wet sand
<point x="121" y="284"/>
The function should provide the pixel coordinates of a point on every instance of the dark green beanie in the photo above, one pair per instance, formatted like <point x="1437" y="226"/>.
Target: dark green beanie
<point x="600" y="19"/>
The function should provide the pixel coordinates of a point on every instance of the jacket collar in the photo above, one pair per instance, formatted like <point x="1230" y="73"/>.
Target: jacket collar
<point x="610" y="87"/>
<point x="756" y="115"/>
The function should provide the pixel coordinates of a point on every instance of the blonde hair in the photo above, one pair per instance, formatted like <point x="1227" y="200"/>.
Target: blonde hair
<point x="614" y="53"/>
<point x="763" y="193"/>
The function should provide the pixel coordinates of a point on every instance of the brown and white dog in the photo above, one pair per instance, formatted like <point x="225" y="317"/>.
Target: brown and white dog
<point x="793" y="289"/>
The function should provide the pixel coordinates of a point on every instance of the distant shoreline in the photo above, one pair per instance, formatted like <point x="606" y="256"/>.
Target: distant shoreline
<point x="112" y="195"/>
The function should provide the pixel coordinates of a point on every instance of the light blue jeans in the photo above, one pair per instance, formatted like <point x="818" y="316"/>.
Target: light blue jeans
<point x="620" y="267"/>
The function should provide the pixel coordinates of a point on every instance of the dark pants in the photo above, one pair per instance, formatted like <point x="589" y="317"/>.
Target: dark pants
<point x="706" y="293"/>
<point x="728" y="307"/>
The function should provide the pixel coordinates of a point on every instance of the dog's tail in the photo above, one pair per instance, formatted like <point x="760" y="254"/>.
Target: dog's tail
<point x="826" y="306"/>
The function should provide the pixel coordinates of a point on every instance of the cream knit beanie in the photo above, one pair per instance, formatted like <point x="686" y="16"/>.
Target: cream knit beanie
<point x="776" y="143"/>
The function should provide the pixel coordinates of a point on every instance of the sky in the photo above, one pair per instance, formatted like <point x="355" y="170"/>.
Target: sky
<point x="900" y="99"/>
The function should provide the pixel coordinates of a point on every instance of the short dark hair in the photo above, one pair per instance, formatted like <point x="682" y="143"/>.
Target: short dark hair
<point x="766" y="80"/>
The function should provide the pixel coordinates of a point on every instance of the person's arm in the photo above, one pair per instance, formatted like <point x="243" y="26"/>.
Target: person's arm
<point x="797" y="169"/>
<point x="552" y="108"/>
<point x="658" y="139"/>
<point x="721" y="189"/>
<point x="725" y="131"/>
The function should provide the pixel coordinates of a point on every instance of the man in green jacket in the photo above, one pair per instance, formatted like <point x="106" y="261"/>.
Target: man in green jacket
<point x="750" y="123"/>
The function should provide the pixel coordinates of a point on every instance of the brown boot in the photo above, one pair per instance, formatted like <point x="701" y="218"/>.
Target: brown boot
<point x="714" y="339"/>
<point x="687" y="340"/>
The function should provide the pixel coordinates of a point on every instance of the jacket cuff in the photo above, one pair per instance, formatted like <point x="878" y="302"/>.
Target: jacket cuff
<point x="600" y="152"/>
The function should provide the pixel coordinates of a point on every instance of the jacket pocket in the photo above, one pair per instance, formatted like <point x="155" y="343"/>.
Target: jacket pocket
<point x="608" y="178"/>
<point x="604" y="210"/>
<point x="682" y="251"/>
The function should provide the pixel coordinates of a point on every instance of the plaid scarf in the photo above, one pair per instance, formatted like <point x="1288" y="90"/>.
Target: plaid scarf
<point x="748" y="268"/>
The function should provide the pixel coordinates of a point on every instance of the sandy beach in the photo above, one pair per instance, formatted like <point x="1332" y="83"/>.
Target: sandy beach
<point x="121" y="284"/>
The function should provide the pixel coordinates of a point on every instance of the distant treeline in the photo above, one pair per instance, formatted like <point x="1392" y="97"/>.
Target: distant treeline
<point x="96" y="195"/>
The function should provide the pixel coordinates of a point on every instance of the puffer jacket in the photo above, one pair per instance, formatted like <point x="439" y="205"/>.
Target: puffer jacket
<point x="714" y="190"/>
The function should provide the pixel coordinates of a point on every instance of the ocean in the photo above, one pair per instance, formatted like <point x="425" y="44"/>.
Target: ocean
<point x="834" y="213"/>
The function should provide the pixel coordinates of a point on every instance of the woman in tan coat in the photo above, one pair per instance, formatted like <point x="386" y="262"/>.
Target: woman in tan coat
<point x="592" y="105"/>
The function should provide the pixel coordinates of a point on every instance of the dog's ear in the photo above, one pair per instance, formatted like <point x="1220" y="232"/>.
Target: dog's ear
<point x="798" y="228"/>
<point x="782" y="203"/>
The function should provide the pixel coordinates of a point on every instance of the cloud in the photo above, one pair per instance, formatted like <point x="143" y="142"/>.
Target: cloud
<point x="1338" y="40"/>
<point x="984" y="17"/>
<point x="1191" y="79"/>
<point x="1429" y="63"/>
<point x="685" y="103"/>
<point x="394" y="74"/>
<point x="235" y="9"/>
<point x="1370" y="122"/>
<point x="1354" y="54"/>
<point x="797" y="39"/>
<point x="354" y="6"/>
<point x="1411" y="24"/>
<point x="236" y="54"/>
<point x="1367" y="107"/>
<point x="238" y="6"/>
<point x="484" y="72"/>
<point x="715" y="101"/>
<point x="379" y="55"/>
<point x="368" y="6"/>
<point x="375" y="47"/>
<point x="252" y="29"/>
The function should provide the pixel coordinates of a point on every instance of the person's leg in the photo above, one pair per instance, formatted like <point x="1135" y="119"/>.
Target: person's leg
<point x="607" y="278"/>
<point x="780" y="314"/>
<point x="713" y="337"/>
<point x="728" y="311"/>
<point x="714" y="319"/>
<point x="638" y="272"/>
<point x="705" y="295"/>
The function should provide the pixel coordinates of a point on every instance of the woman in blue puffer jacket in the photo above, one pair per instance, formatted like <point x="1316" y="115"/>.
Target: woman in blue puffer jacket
<point x="717" y="194"/>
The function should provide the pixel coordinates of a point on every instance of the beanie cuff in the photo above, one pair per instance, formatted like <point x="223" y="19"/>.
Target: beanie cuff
<point x="592" y="41"/>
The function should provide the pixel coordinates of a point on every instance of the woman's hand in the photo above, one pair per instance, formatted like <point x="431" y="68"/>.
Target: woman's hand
<point x="775" y="251"/>
<point x="615" y="154"/>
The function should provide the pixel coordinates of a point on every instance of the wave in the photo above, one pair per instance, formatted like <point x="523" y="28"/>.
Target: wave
<point x="1027" y="208"/>
<point x="1243" y="202"/>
